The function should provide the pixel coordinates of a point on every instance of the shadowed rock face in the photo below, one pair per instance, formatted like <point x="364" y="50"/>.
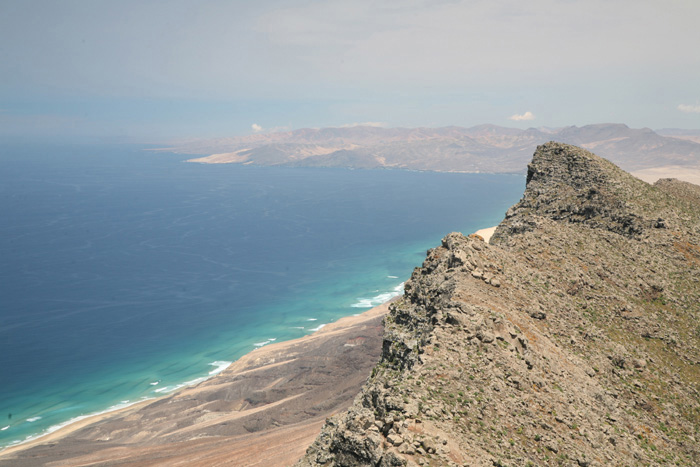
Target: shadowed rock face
<point x="571" y="339"/>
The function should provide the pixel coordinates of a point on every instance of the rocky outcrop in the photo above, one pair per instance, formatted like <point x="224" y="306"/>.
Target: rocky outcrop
<point x="571" y="339"/>
<point x="566" y="183"/>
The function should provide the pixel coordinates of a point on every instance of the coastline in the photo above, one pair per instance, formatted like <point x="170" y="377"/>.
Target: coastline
<point x="683" y="173"/>
<point x="239" y="366"/>
<point x="486" y="233"/>
<point x="71" y="427"/>
<point x="268" y="357"/>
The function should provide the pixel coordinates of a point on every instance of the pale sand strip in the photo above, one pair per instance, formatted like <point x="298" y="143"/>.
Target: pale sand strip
<point x="266" y="355"/>
<point x="223" y="158"/>
<point x="486" y="233"/>
<point x="68" y="429"/>
<point x="686" y="174"/>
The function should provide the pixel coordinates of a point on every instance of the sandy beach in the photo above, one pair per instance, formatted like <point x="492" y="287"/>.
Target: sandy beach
<point x="486" y="233"/>
<point x="686" y="174"/>
<point x="264" y="409"/>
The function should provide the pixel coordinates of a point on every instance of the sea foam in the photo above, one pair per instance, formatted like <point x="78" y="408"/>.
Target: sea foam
<point x="260" y="344"/>
<point x="220" y="366"/>
<point x="378" y="299"/>
<point x="53" y="428"/>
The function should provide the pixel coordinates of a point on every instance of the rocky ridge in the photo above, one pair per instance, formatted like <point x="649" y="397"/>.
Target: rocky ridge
<point x="571" y="339"/>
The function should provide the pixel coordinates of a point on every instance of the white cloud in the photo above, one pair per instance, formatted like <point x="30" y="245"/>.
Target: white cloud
<point x="374" y="124"/>
<point x="526" y="116"/>
<point x="695" y="109"/>
<point x="256" y="128"/>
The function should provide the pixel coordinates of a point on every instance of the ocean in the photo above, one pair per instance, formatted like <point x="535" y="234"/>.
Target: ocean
<point x="126" y="274"/>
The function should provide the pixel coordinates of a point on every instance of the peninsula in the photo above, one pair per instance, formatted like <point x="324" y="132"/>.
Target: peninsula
<point x="649" y="154"/>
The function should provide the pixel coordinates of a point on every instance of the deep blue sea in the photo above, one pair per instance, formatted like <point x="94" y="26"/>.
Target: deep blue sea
<point x="126" y="273"/>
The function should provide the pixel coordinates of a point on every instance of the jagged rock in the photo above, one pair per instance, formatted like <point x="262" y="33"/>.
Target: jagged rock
<point x="537" y="314"/>
<point x="407" y="448"/>
<point x="395" y="439"/>
<point x="603" y="279"/>
<point x="639" y="363"/>
<point x="485" y="336"/>
<point x="429" y="445"/>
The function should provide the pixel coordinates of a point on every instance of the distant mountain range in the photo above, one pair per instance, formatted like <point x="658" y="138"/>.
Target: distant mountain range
<point x="482" y="148"/>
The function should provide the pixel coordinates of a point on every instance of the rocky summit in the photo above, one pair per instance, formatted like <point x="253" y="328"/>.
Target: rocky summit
<point x="573" y="338"/>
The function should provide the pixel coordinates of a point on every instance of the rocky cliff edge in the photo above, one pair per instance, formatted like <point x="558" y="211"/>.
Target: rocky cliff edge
<point x="571" y="339"/>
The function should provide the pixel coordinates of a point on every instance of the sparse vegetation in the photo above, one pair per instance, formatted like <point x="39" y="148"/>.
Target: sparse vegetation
<point x="588" y="356"/>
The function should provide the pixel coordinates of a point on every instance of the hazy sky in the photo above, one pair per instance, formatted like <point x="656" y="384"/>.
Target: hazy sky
<point x="152" y="70"/>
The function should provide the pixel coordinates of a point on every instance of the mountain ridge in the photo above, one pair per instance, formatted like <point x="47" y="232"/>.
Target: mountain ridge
<point x="570" y="339"/>
<point x="482" y="148"/>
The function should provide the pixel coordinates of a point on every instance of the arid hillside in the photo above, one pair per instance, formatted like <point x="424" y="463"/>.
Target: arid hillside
<point x="483" y="148"/>
<point x="572" y="339"/>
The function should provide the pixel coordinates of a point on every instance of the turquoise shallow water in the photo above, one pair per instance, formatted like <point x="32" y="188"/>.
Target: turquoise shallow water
<point x="126" y="274"/>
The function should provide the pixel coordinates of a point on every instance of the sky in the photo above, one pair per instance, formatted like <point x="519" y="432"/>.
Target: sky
<point x="156" y="71"/>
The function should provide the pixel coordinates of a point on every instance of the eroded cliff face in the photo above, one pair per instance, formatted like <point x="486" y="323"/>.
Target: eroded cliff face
<point x="572" y="339"/>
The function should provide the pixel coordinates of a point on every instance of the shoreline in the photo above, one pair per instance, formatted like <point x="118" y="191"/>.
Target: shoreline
<point x="486" y="233"/>
<point x="68" y="427"/>
<point x="264" y="355"/>
<point x="682" y="173"/>
<point x="268" y="355"/>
